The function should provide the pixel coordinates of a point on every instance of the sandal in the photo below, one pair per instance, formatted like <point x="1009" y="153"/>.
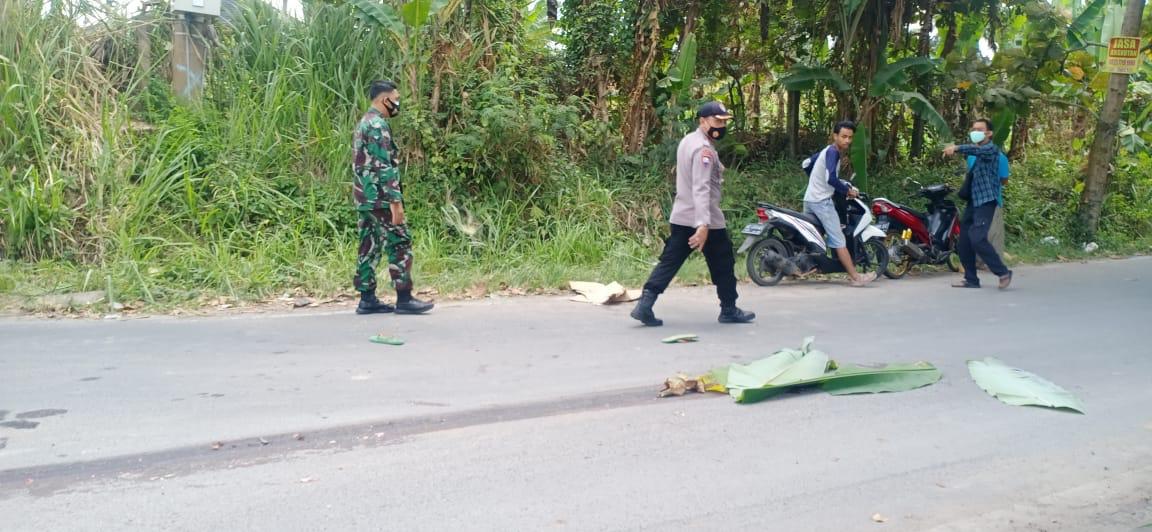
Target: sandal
<point x="1006" y="280"/>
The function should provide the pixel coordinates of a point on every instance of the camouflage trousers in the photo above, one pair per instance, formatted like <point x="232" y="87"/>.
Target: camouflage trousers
<point x="379" y="236"/>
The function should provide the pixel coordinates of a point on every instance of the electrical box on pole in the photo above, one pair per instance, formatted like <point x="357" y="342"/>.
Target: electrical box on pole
<point x="209" y="8"/>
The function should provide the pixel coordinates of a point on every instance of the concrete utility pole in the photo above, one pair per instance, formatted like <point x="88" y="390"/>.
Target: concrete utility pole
<point x="1103" y="150"/>
<point x="189" y="51"/>
<point x="189" y="45"/>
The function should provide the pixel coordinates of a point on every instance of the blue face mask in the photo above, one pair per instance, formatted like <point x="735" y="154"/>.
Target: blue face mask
<point x="976" y="136"/>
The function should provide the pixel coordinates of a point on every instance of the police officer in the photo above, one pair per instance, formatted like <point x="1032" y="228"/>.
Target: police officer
<point x="697" y="222"/>
<point x="380" y="204"/>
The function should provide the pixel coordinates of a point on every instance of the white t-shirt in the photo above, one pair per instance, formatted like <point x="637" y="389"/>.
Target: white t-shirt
<point x="823" y="181"/>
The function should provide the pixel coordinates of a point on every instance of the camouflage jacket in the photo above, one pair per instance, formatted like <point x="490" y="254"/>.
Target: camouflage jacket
<point x="375" y="166"/>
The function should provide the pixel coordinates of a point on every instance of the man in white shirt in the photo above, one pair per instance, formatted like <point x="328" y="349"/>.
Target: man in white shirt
<point x="823" y="183"/>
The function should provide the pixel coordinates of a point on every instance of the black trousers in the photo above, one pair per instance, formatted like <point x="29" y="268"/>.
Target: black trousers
<point x="974" y="225"/>
<point x="717" y="252"/>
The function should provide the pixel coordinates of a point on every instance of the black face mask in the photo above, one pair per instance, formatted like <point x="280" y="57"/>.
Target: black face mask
<point x="393" y="107"/>
<point x="717" y="133"/>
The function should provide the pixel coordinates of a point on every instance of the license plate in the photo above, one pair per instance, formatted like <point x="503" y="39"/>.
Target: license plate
<point x="882" y="223"/>
<point x="754" y="229"/>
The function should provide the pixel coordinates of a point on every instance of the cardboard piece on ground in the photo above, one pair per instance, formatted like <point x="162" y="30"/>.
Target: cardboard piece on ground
<point x="600" y="294"/>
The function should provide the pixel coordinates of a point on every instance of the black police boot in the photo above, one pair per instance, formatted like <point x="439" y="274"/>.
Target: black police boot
<point x="406" y="304"/>
<point x="735" y="315"/>
<point x="643" y="311"/>
<point x="369" y="304"/>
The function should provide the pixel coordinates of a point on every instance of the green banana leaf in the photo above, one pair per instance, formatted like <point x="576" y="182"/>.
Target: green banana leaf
<point x="894" y="76"/>
<point x="789" y="369"/>
<point x="861" y="148"/>
<point x="1017" y="387"/>
<point x="900" y="377"/>
<point x="855" y="380"/>
<point x="802" y="78"/>
<point x="1085" y="24"/>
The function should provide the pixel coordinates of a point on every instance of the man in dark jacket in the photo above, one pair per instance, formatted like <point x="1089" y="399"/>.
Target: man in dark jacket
<point x="981" y="190"/>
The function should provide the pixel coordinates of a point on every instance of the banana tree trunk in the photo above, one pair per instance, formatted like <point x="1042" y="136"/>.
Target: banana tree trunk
<point x="755" y="97"/>
<point x="553" y="10"/>
<point x="1021" y="133"/>
<point x="916" y="148"/>
<point x="636" y="120"/>
<point x="1104" y="145"/>
<point x="690" y="19"/>
<point x="793" y="124"/>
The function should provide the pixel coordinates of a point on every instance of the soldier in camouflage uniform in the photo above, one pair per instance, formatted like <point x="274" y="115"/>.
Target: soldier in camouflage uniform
<point x="380" y="204"/>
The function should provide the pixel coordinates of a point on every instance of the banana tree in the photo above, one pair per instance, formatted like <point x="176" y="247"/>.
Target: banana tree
<point x="405" y="26"/>
<point x="677" y="83"/>
<point x="890" y="84"/>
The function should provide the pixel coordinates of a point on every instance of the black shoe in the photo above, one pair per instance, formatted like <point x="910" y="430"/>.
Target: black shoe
<point x="735" y="315"/>
<point x="413" y="306"/>
<point x="643" y="311"/>
<point x="369" y="304"/>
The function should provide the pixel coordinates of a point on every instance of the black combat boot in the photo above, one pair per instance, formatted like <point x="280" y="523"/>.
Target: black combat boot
<point x="733" y="314"/>
<point x="369" y="304"/>
<point x="406" y="304"/>
<point x="643" y="310"/>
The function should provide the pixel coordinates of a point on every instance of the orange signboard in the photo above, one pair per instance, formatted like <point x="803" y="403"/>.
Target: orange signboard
<point x="1123" y="55"/>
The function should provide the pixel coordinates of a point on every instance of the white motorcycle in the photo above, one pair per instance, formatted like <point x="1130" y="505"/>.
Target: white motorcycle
<point x="786" y="242"/>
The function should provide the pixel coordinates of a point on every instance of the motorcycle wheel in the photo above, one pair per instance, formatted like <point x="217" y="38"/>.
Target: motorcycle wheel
<point x="954" y="263"/>
<point x="759" y="270"/>
<point x="875" y="257"/>
<point x="898" y="264"/>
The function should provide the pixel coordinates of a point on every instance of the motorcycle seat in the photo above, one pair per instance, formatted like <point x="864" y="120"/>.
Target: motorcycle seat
<point x="810" y="218"/>
<point x="914" y="212"/>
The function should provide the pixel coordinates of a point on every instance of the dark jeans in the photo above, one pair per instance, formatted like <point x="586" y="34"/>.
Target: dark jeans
<point x="974" y="225"/>
<point x="717" y="252"/>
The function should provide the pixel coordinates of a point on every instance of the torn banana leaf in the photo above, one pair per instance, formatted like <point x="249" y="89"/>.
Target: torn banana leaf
<point x="1017" y="387"/>
<point x="791" y="368"/>
<point x="680" y="339"/>
<point x="784" y="367"/>
<point x="387" y="340"/>
<point x="853" y="379"/>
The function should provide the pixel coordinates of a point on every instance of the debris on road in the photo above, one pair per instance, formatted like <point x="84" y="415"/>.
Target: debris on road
<point x="879" y="518"/>
<point x="1017" y="387"/>
<point x="302" y="302"/>
<point x="387" y="340"/>
<point x="217" y="446"/>
<point x="307" y="480"/>
<point x="681" y="339"/>
<point x="680" y="385"/>
<point x="600" y="294"/>
<point x="264" y="442"/>
<point x="795" y="368"/>
<point x="298" y="437"/>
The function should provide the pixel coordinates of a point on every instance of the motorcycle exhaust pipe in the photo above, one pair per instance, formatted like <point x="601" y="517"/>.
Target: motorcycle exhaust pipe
<point x="781" y="264"/>
<point x="913" y="251"/>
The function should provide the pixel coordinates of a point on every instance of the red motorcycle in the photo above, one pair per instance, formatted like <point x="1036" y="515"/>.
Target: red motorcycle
<point x="914" y="237"/>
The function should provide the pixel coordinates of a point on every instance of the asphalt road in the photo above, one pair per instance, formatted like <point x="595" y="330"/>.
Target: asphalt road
<point x="539" y="414"/>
